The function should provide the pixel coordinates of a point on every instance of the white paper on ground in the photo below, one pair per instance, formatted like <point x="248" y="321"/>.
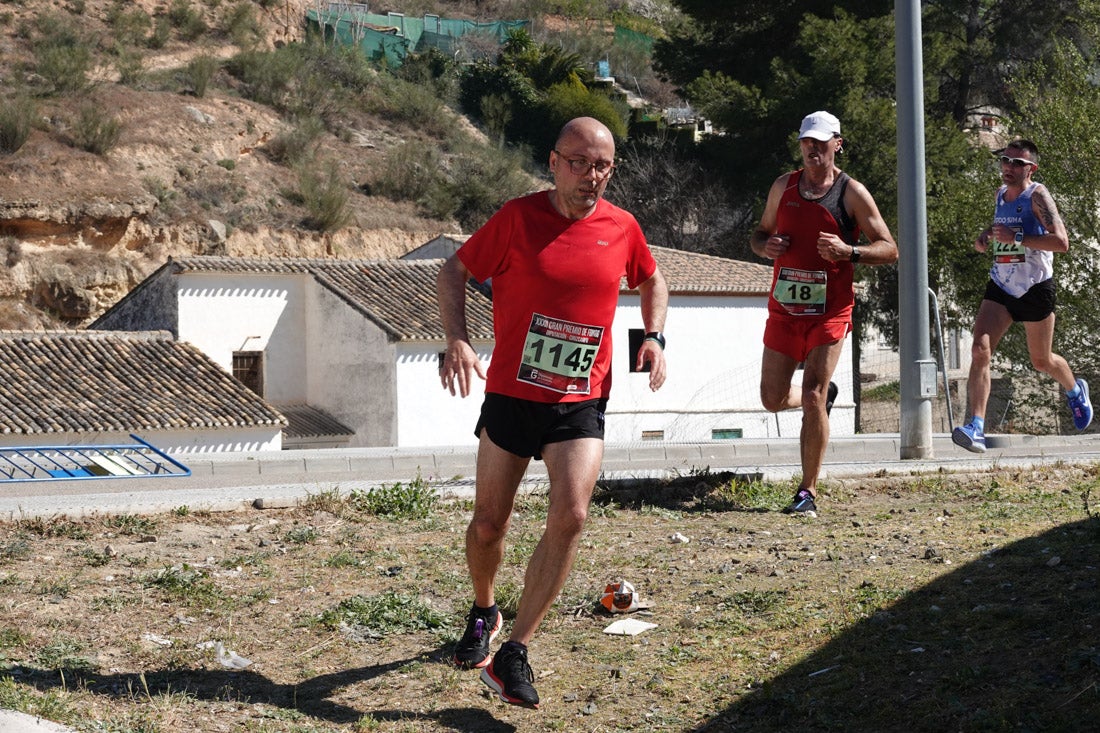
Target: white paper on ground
<point x="629" y="627"/>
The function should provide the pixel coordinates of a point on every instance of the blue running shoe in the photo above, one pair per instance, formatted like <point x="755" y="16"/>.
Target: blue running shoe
<point x="1080" y="407"/>
<point x="969" y="437"/>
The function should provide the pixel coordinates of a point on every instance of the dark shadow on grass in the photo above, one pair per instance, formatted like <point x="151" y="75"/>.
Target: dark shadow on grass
<point x="720" y="491"/>
<point x="310" y="697"/>
<point x="1008" y="642"/>
<point x="468" y="720"/>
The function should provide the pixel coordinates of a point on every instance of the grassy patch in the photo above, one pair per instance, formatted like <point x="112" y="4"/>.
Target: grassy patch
<point x="113" y="601"/>
<point x="699" y="489"/>
<point x="401" y="500"/>
<point x="257" y="561"/>
<point x="763" y="622"/>
<point x="51" y="705"/>
<point x="889" y="392"/>
<point x="63" y="653"/>
<point x="343" y="559"/>
<point x="385" y="614"/>
<point x="14" y="549"/>
<point x="55" y="527"/>
<point x="131" y="524"/>
<point x="303" y="535"/>
<point x="186" y="583"/>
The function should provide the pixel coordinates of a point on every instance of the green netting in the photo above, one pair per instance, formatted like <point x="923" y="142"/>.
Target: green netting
<point x="428" y="39"/>
<point x="627" y="37"/>
<point x="349" y="31"/>
<point x="414" y="28"/>
<point x="497" y="28"/>
<point x="410" y="28"/>
<point x="394" y="36"/>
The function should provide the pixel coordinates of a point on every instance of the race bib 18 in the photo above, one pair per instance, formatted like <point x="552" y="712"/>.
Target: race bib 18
<point x="801" y="292"/>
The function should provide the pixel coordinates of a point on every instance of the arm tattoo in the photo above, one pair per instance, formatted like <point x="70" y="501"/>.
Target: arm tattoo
<point x="1048" y="212"/>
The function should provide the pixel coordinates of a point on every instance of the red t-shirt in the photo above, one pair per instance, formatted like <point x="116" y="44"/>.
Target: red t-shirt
<point x="803" y="283"/>
<point x="555" y="285"/>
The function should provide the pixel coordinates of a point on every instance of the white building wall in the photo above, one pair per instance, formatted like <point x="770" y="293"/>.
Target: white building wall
<point x="218" y="440"/>
<point x="210" y="440"/>
<point x="320" y="351"/>
<point x="713" y="360"/>
<point x="714" y="353"/>
<point x="350" y="369"/>
<point x="428" y="413"/>
<point x="224" y="313"/>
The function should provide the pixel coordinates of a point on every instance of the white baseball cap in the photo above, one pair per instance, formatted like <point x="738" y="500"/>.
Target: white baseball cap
<point x="819" y="125"/>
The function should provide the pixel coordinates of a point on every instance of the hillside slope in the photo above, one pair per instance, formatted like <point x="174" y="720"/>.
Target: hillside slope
<point x="188" y="174"/>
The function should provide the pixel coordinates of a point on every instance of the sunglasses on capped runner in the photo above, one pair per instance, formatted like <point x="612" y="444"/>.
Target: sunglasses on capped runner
<point x="1015" y="162"/>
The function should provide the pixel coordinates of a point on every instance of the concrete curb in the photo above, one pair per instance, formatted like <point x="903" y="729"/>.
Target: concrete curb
<point x="13" y="722"/>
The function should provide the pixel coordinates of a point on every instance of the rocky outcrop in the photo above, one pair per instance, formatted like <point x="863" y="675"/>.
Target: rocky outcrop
<point x="188" y="175"/>
<point x="98" y="224"/>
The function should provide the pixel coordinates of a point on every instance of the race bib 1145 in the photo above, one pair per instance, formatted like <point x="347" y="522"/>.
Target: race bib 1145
<point x="559" y="355"/>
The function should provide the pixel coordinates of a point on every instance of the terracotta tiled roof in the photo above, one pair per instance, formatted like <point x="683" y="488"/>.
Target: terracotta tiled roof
<point x="397" y="295"/>
<point x="690" y="273"/>
<point x="305" y="421"/>
<point x="400" y="297"/>
<point x="109" y="381"/>
<point x="258" y="265"/>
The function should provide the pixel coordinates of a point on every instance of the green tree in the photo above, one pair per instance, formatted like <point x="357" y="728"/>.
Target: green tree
<point x="563" y="102"/>
<point x="545" y="65"/>
<point x="496" y="110"/>
<point x="842" y="59"/>
<point x="531" y="91"/>
<point x="1058" y="106"/>
<point x="986" y="40"/>
<point x="514" y="98"/>
<point x="742" y="39"/>
<point x="1032" y="69"/>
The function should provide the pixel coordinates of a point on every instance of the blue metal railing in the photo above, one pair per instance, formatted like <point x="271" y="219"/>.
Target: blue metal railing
<point x="69" y="462"/>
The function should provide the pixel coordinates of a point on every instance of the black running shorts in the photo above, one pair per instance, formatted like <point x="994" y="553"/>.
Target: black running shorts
<point x="1034" y="305"/>
<point x="523" y="427"/>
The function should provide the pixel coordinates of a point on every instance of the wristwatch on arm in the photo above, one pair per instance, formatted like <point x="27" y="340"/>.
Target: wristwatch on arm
<point x="1018" y="238"/>
<point x="855" y="254"/>
<point x="656" y="336"/>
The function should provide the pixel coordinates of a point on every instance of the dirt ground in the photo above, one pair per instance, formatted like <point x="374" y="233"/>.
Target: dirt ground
<point x="949" y="602"/>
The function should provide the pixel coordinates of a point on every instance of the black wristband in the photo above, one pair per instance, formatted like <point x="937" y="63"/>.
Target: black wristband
<point x="656" y="336"/>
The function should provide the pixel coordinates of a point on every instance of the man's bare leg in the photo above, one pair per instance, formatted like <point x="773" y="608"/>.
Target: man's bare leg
<point x="990" y="326"/>
<point x="814" y="439"/>
<point x="573" y="467"/>
<point x="498" y="475"/>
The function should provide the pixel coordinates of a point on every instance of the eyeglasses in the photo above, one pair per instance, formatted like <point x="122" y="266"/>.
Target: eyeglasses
<point x="1015" y="162"/>
<point x="581" y="167"/>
